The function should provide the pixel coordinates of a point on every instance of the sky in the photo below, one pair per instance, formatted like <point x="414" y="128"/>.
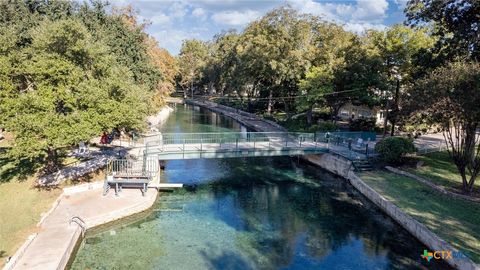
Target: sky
<point x="172" y="21"/>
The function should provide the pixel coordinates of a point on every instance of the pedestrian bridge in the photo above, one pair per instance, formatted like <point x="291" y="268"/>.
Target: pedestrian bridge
<point x="171" y="146"/>
<point x="175" y="146"/>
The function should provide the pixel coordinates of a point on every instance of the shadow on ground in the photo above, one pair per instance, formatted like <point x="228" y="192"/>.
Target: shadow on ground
<point x="13" y="169"/>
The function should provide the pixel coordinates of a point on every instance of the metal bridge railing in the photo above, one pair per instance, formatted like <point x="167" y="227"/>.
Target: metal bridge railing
<point x="133" y="168"/>
<point x="227" y="137"/>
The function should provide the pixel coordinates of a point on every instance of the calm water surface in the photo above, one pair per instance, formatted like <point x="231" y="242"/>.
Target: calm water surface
<point x="252" y="213"/>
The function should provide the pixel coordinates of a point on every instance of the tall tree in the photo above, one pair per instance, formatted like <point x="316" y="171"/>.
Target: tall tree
<point x="327" y="55"/>
<point x="318" y="83"/>
<point x="273" y="54"/>
<point x="192" y="59"/>
<point x="449" y="97"/>
<point x="397" y="48"/>
<point x="360" y="79"/>
<point x="455" y="22"/>
<point x="69" y="71"/>
<point x="63" y="89"/>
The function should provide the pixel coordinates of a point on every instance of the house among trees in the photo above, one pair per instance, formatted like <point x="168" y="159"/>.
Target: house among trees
<point x="349" y="111"/>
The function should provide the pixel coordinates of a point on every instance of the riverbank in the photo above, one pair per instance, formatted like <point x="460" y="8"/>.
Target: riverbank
<point x="342" y="167"/>
<point x="52" y="245"/>
<point x="85" y="201"/>
<point x="160" y="117"/>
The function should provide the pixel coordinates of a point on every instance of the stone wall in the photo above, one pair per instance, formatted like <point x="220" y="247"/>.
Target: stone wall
<point x="332" y="163"/>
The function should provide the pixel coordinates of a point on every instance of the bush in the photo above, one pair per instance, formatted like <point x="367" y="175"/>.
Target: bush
<point x="363" y="124"/>
<point x="326" y="126"/>
<point x="393" y="149"/>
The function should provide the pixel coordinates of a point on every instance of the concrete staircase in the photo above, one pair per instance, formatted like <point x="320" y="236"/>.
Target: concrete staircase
<point x="362" y="165"/>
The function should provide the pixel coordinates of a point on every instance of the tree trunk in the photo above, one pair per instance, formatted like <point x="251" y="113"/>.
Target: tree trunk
<point x="309" y="116"/>
<point x="191" y="87"/>
<point x="460" y="139"/>
<point x="52" y="160"/>
<point x="385" y="120"/>
<point x="270" y="105"/>
<point x="395" y="108"/>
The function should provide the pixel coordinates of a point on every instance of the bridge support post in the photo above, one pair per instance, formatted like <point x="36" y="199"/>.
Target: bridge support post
<point x="236" y="143"/>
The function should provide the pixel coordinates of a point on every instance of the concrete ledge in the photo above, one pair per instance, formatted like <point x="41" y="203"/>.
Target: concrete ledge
<point x="56" y="241"/>
<point x="247" y="119"/>
<point x="18" y="254"/>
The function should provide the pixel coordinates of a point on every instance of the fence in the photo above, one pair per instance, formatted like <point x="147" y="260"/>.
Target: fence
<point x="431" y="149"/>
<point x="228" y="137"/>
<point x="131" y="168"/>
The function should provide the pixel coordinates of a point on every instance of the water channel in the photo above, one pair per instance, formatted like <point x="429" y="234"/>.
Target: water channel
<point x="252" y="213"/>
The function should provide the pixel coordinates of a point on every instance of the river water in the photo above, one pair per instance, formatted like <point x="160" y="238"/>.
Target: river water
<point x="252" y="213"/>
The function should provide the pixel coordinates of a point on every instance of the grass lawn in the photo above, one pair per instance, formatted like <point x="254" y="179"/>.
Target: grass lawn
<point x="456" y="221"/>
<point x="20" y="209"/>
<point x="21" y="204"/>
<point x="439" y="168"/>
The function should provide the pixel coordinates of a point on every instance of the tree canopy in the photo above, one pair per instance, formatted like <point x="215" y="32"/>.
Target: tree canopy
<point x="70" y="71"/>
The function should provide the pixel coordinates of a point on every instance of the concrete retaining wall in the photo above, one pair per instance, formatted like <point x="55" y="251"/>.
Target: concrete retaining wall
<point x="160" y="117"/>
<point x="332" y="163"/>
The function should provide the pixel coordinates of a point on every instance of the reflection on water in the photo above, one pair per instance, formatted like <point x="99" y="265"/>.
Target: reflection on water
<point x="253" y="213"/>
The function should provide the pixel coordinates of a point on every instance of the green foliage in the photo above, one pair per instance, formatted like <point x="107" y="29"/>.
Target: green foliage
<point x="300" y="125"/>
<point x="68" y="72"/>
<point x="455" y="23"/>
<point x="454" y="107"/>
<point x="326" y="126"/>
<point x="317" y="84"/>
<point x="363" y="124"/>
<point x="192" y="59"/>
<point x="393" y="149"/>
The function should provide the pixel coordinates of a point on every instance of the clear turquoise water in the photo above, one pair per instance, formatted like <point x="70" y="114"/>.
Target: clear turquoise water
<point x="252" y="213"/>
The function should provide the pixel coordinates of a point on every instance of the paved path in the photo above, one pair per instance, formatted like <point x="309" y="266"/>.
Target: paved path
<point x="250" y="120"/>
<point x="54" y="243"/>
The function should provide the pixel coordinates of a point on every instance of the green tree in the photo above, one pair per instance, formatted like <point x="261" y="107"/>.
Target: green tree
<point x="317" y="84"/>
<point x="449" y="97"/>
<point x="397" y="48"/>
<point x="327" y="55"/>
<point x="192" y="59"/>
<point x="64" y="88"/>
<point x="360" y="79"/>
<point x="272" y="55"/>
<point x="218" y="72"/>
<point x="455" y="23"/>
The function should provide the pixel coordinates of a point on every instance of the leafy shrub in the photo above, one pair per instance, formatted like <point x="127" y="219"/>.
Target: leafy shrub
<point x="393" y="149"/>
<point x="326" y="126"/>
<point x="363" y="124"/>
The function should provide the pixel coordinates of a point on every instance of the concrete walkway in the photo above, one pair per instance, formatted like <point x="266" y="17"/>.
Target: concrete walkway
<point x="247" y="119"/>
<point x="57" y="236"/>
